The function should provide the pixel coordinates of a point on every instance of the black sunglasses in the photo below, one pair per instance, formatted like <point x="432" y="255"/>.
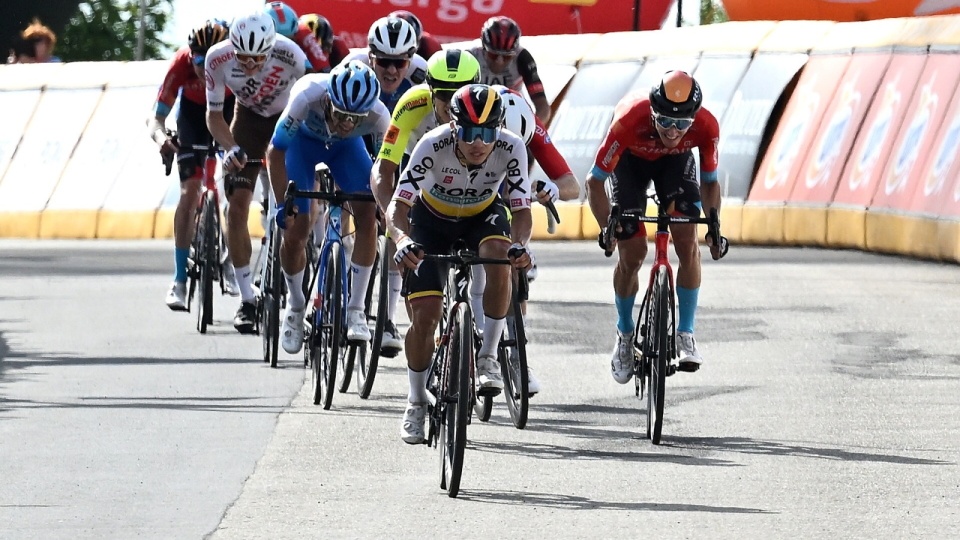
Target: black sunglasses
<point x="399" y="63"/>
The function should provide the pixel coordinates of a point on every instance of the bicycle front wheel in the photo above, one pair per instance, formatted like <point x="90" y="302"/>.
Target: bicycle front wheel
<point x="208" y="261"/>
<point x="457" y="396"/>
<point x="513" y="362"/>
<point x="658" y="337"/>
<point x="367" y="371"/>
<point x="333" y="326"/>
<point x="271" y="295"/>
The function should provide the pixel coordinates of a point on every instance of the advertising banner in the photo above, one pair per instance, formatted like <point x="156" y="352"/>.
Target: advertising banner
<point x="584" y="115"/>
<point x="820" y="171"/>
<point x="799" y="124"/>
<point x="915" y="140"/>
<point x="455" y="20"/>
<point x="940" y="194"/>
<point x="837" y="10"/>
<point x="872" y="147"/>
<point x="654" y="68"/>
<point x="743" y="125"/>
<point x="18" y="107"/>
<point x="719" y="77"/>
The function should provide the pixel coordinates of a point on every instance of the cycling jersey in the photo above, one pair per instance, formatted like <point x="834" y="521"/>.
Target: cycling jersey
<point x="339" y="51"/>
<point x="316" y="59"/>
<point x="633" y="130"/>
<point x="179" y="76"/>
<point x="416" y="74"/>
<point x="264" y="93"/>
<point x="412" y="118"/>
<point x="428" y="45"/>
<point x="521" y="72"/>
<point x="305" y="115"/>
<point x="451" y="190"/>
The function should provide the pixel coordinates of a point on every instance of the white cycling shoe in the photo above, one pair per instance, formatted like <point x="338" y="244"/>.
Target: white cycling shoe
<point x="412" y="428"/>
<point x="621" y="364"/>
<point x="488" y="376"/>
<point x="292" y="331"/>
<point x="357" y="329"/>
<point x="177" y="296"/>
<point x="690" y="359"/>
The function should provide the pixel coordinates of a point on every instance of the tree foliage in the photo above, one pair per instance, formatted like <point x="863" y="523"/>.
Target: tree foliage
<point x="108" y="30"/>
<point x="712" y="11"/>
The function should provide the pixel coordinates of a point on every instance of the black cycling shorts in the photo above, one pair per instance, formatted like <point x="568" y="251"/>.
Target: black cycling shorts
<point x="192" y="131"/>
<point x="674" y="178"/>
<point x="438" y="235"/>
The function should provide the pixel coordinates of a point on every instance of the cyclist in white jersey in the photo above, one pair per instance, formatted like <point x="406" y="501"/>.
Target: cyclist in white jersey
<point x="260" y="68"/>
<point x="325" y="120"/>
<point x="392" y="53"/>
<point x="449" y="191"/>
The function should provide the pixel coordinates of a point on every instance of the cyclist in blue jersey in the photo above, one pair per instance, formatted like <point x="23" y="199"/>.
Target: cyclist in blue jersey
<point x="326" y="120"/>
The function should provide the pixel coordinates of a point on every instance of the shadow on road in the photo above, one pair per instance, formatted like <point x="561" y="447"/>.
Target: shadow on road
<point x="574" y="502"/>
<point x="556" y="451"/>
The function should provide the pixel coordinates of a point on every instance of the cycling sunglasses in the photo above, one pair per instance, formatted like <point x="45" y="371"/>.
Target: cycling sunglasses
<point x="346" y="116"/>
<point x="399" y="63"/>
<point x="471" y="133"/>
<point x="505" y="55"/>
<point x="667" y="122"/>
<point x="198" y="59"/>
<point x="444" y="95"/>
<point x="250" y="60"/>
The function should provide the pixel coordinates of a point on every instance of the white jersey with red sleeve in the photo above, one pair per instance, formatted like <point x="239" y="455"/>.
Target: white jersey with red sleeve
<point x="266" y="92"/>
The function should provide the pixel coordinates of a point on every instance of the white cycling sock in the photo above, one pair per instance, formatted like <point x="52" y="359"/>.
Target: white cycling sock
<point x="358" y="287"/>
<point x="245" y="282"/>
<point x="417" y="392"/>
<point x="295" y="296"/>
<point x="394" y="284"/>
<point x="492" y="330"/>
<point x="478" y="282"/>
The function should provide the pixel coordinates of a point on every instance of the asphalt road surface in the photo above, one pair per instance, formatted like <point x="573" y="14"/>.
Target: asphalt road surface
<point x="829" y="404"/>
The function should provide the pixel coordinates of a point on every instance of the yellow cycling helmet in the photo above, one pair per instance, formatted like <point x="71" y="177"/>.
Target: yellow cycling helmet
<point x="450" y="69"/>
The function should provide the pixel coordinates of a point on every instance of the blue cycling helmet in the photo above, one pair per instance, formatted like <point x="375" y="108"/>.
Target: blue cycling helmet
<point x="284" y="18"/>
<point x="354" y="87"/>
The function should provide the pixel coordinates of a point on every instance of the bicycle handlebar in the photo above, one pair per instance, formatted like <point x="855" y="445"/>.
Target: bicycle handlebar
<point x="712" y="221"/>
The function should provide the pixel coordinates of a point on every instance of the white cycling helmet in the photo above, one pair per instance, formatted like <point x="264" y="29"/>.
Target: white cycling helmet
<point x="253" y="34"/>
<point x="392" y="36"/>
<point x="518" y="116"/>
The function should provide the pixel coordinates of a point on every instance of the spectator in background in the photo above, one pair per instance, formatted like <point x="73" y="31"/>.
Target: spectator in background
<point x="43" y="39"/>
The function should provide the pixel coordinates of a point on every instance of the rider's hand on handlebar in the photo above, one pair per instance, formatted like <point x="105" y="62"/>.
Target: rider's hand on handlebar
<point x="717" y="249"/>
<point x="234" y="160"/>
<point x="519" y="255"/>
<point x="549" y="193"/>
<point x="282" y="218"/>
<point x="409" y="253"/>
<point x="169" y="148"/>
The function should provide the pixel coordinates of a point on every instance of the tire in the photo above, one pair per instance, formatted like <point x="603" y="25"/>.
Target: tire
<point x="457" y="397"/>
<point x="272" y="293"/>
<point x="333" y="324"/>
<point x="514" y="367"/>
<point x="208" y="262"/>
<point x="658" y="337"/>
<point x="482" y="407"/>
<point x="367" y="366"/>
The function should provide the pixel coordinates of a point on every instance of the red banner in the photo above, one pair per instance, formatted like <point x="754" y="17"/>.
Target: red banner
<point x="835" y="10"/>
<point x="458" y="20"/>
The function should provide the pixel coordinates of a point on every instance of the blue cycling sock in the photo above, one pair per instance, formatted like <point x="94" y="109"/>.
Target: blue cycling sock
<point x="687" y="298"/>
<point x="625" y="313"/>
<point x="180" y="271"/>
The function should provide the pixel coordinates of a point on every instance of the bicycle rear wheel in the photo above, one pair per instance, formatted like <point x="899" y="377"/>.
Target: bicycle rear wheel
<point x="271" y="294"/>
<point x="657" y="352"/>
<point x="367" y="372"/>
<point x="513" y="362"/>
<point x="208" y="261"/>
<point x="457" y="396"/>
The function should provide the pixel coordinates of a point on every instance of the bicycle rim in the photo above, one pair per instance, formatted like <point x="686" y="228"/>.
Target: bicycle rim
<point x="514" y="368"/>
<point x="205" y="313"/>
<point x="459" y="397"/>
<point x="333" y="326"/>
<point x="272" y="335"/>
<point x="658" y="367"/>
<point x="368" y="368"/>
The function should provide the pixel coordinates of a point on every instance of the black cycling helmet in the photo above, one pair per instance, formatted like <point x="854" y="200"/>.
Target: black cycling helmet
<point x="410" y="18"/>
<point x="676" y="95"/>
<point x="320" y="26"/>
<point x="477" y="105"/>
<point x="500" y="34"/>
<point x="206" y="36"/>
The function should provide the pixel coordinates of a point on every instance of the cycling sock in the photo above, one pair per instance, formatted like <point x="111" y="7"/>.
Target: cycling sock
<point x="180" y="256"/>
<point x="394" y="284"/>
<point x="358" y="287"/>
<point x="478" y="282"/>
<point x="492" y="330"/>
<point x="295" y="290"/>
<point x="417" y="393"/>
<point x="625" y="313"/>
<point x="687" y="300"/>
<point x="245" y="282"/>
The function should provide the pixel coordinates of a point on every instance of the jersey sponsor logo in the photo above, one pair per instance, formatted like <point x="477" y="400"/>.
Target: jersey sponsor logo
<point x="536" y="88"/>
<point x="284" y="56"/>
<point x="513" y="168"/>
<point x="443" y="143"/>
<point x="392" y="134"/>
<point x="608" y="157"/>
<point x="448" y="179"/>
<point x="461" y="196"/>
<point x="418" y="76"/>
<point x="219" y="60"/>
<point x="505" y="145"/>
<point x="451" y="170"/>
<point x="405" y="194"/>
<point x="491" y="219"/>
<point x="209" y="81"/>
<point x="516" y="203"/>
<point x="411" y="105"/>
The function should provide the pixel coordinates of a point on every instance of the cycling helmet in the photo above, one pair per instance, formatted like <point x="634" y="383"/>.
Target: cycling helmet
<point x="412" y="19"/>
<point x="450" y="69"/>
<point x="477" y="105"/>
<point x="354" y="87"/>
<point x="677" y="95"/>
<point x="253" y="34"/>
<point x="500" y="34"/>
<point x="320" y="26"/>
<point x="518" y="116"/>
<point x="390" y="36"/>
<point x="284" y="18"/>
<point x="204" y="37"/>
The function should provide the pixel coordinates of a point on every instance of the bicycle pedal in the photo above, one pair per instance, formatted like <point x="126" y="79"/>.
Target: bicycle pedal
<point x="686" y="367"/>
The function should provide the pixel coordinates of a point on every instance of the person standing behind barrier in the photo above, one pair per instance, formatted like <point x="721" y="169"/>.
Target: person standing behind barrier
<point x="260" y="68"/>
<point x="324" y="122"/>
<point x="44" y="41"/>
<point x="185" y="79"/>
<point x="652" y="139"/>
<point x="503" y="61"/>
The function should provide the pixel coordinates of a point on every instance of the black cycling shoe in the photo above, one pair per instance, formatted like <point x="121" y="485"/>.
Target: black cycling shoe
<point x="245" y="320"/>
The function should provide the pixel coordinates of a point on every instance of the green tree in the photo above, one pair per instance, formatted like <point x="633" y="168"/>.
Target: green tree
<point x="711" y="11"/>
<point x="108" y="30"/>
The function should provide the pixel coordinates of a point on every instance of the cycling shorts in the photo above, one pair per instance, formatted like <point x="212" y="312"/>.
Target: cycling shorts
<point x="348" y="160"/>
<point x="252" y="133"/>
<point x="192" y="131"/>
<point x="674" y="178"/>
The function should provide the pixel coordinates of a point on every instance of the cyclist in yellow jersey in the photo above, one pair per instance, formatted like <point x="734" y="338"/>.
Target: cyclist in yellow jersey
<point x="447" y="71"/>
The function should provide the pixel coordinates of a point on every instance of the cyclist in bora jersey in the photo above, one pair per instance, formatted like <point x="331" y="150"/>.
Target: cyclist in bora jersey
<point x="503" y="61"/>
<point x="447" y="192"/>
<point x="288" y="25"/>
<point x="259" y="67"/>
<point x="427" y="45"/>
<point x="652" y="139"/>
<point x="392" y="53"/>
<point x="447" y="72"/>
<point x="324" y="121"/>
<point x="185" y="78"/>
